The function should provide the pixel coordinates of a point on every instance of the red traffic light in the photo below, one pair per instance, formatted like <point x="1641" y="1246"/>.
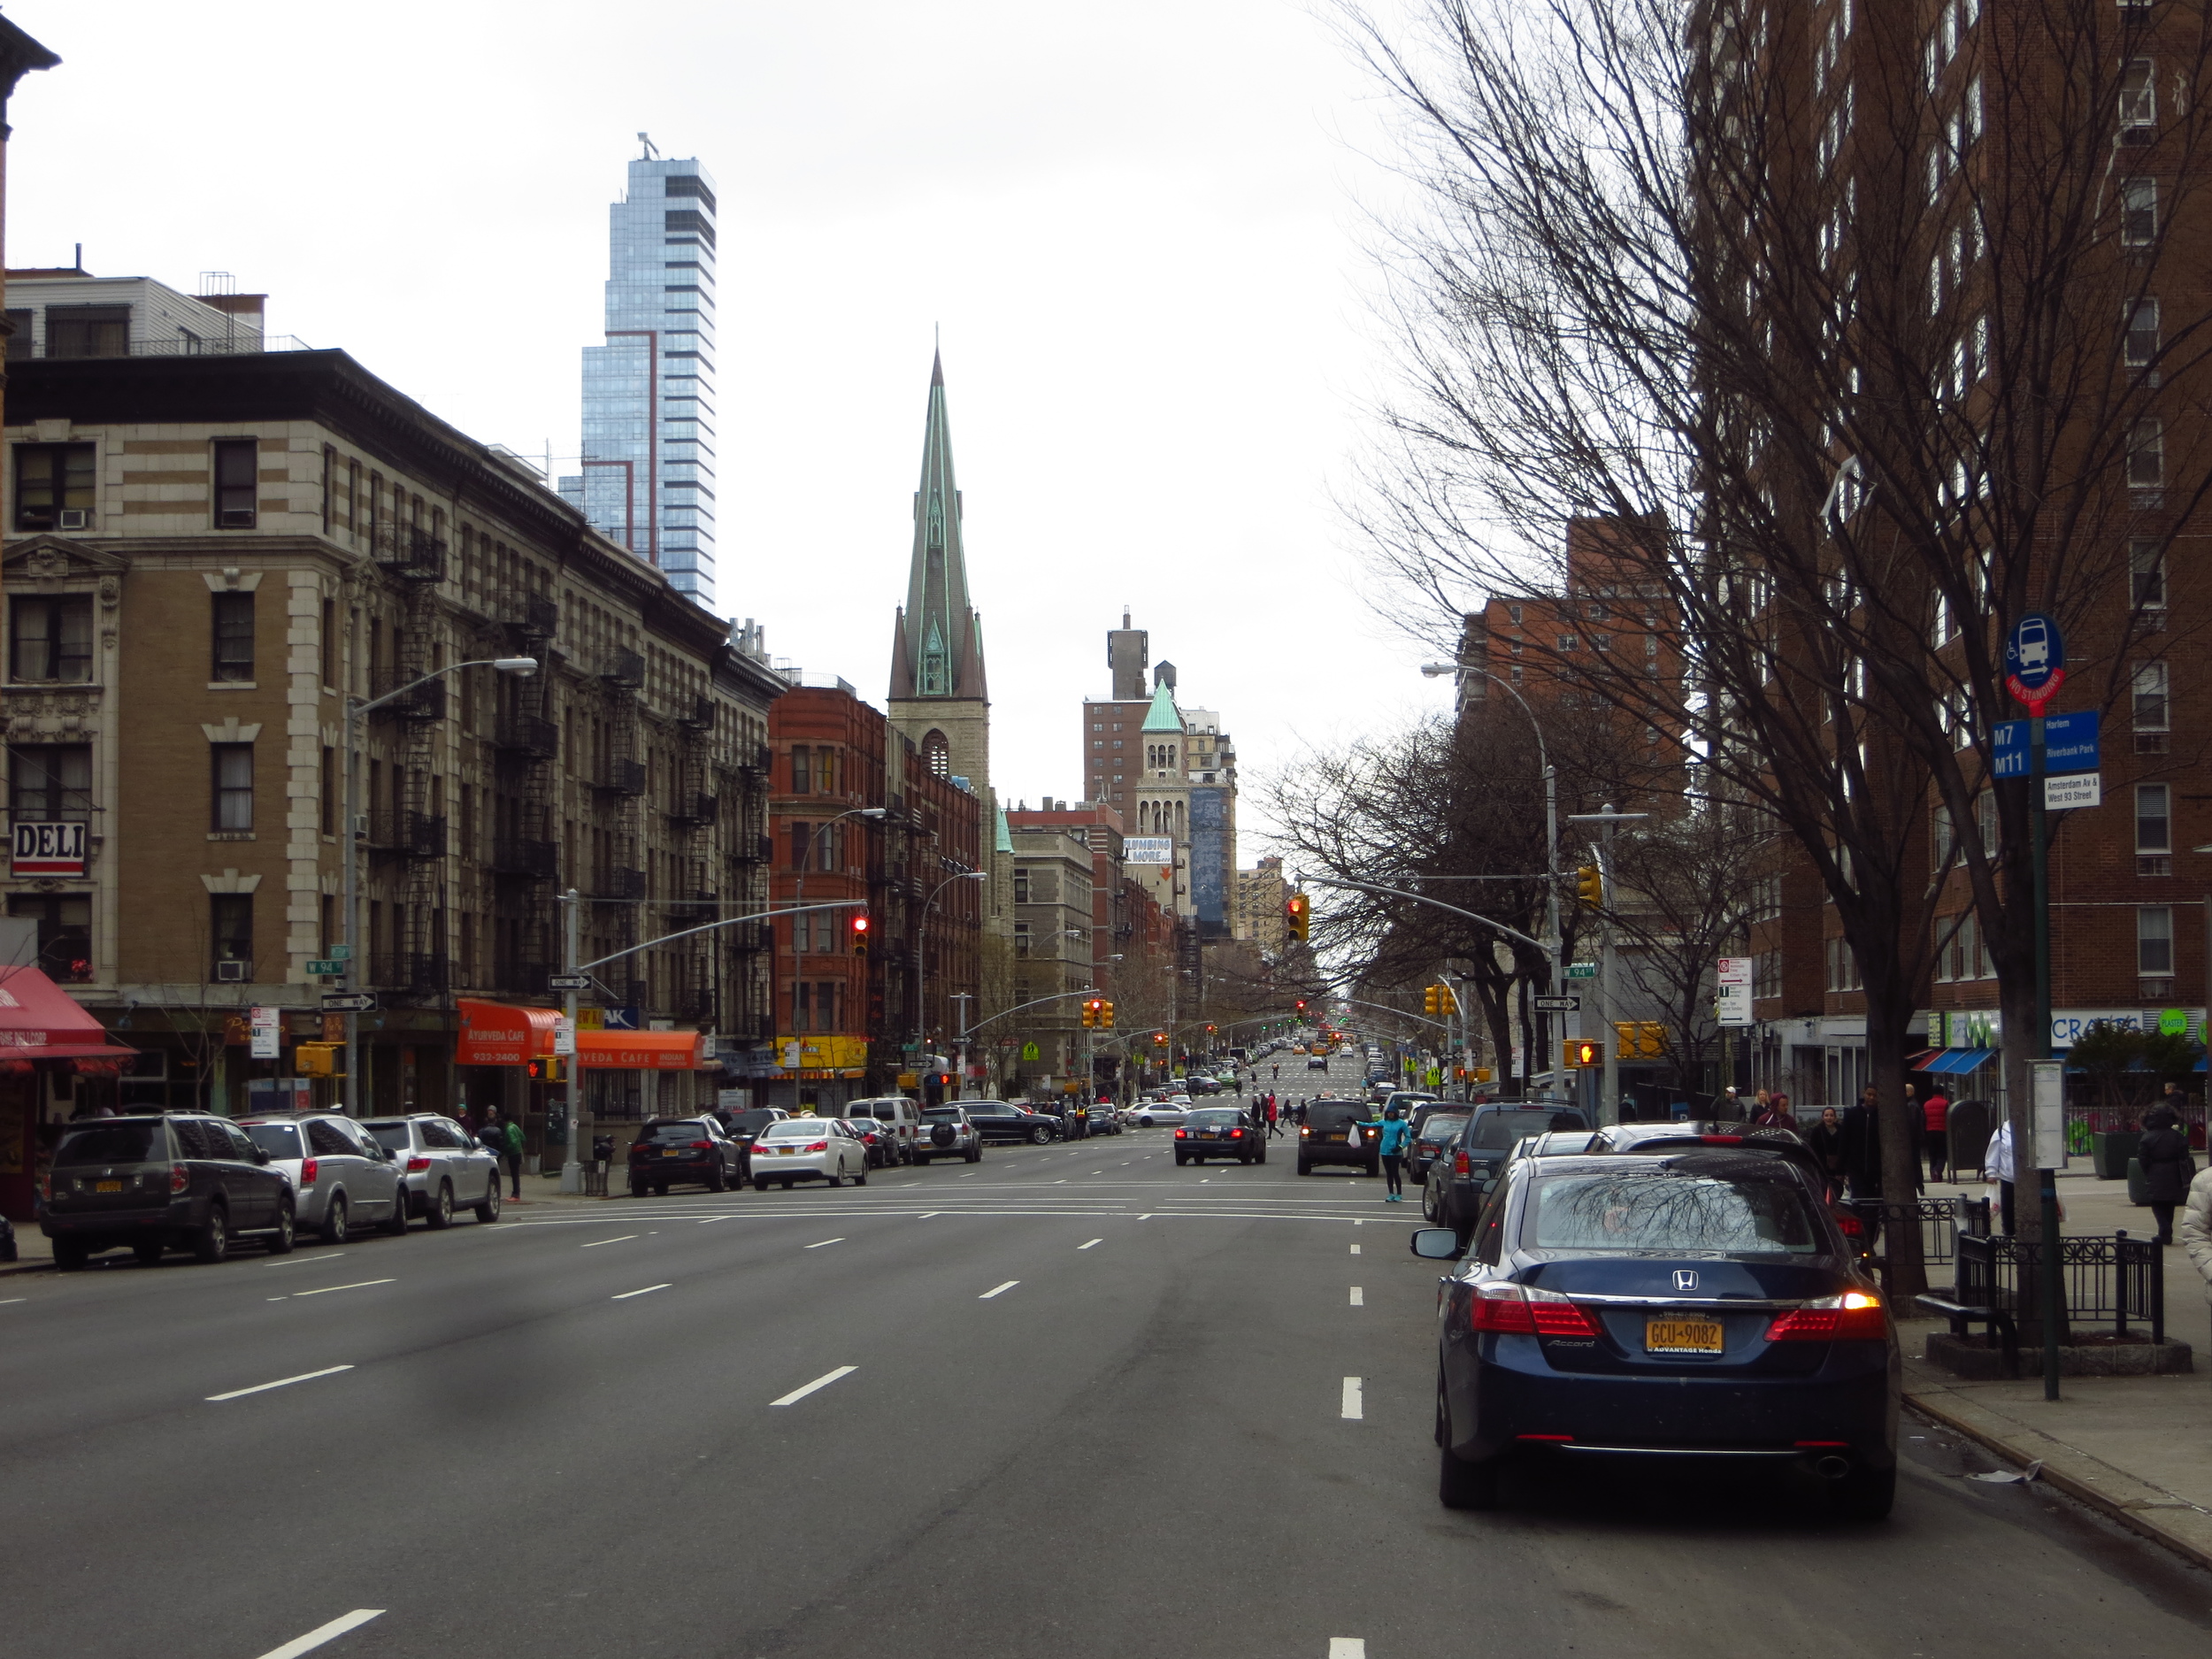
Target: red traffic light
<point x="860" y="935"/>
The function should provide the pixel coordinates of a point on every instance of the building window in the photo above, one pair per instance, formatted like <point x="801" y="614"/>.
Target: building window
<point x="88" y="331"/>
<point x="802" y="769"/>
<point x="937" y="755"/>
<point x="2146" y="575"/>
<point x="232" y="773"/>
<point x="1021" y="886"/>
<point x="326" y="803"/>
<point x="234" y="638"/>
<point x="2149" y="697"/>
<point x="49" y="782"/>
<point x="1021" y="939"/>
<point x="230" y="926"/>
<point x="237" y="461"/>
<point x="2139" y="93"/>
<point x="802" y="844"/>
<point x="825" y="770"/>
<point x="51" y="641"/>
<point x="2139" y="213"/>
<point x="2154" y="940"/>
<point x="2154" y="829"/>
<point x="53" y="486"/>
<point x="2147" y="454"/>
<point x="65" y="931"/>
<point x="2142" y="334"/>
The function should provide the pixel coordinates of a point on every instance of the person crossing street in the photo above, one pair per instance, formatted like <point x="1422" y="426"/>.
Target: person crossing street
<point x="1393" y="1147"/>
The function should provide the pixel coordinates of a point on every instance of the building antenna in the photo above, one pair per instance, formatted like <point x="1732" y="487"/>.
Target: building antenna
<point x="650" y="153"/>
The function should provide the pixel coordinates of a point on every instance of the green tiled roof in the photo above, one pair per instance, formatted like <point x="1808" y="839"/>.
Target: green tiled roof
<point x="1164" y="715"/>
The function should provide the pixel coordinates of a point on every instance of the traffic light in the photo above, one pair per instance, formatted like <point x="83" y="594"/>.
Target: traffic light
<point x="1091" y="1005"/>
<point x="1301" y="1004"/>
<point x="1447" y="1002"/>
<point x="1482" y="1074"/>
<point x="1590" y="886"/>
<point x="1299" y="909"/>
<point x="1106" y="1014"/>
<point x="317" y="1059"/>
<point x="547" y="1068"/>
<point x="860" y="933"/>
<point x="1432" y="999"/>
<point x="1582" y="1051"/>
<point x="1625" y="1038"/>
<point x="1159" y="1040"/>
<point x="1651" y="1039"/>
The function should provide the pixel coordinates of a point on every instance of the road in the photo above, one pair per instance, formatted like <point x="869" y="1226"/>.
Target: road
<point x="1070" y="1402"/>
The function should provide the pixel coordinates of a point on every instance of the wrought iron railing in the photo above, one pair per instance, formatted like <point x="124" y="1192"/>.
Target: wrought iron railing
<point x="2101" y="1279"/>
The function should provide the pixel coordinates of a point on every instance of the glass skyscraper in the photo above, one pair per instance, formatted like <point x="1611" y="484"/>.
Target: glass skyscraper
<point x="647" y="477"/>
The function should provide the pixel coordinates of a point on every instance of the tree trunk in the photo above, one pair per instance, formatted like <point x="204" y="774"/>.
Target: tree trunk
<point x="1888" y="1017"/>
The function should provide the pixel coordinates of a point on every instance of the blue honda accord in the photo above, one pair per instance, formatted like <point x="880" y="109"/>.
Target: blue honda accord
<point x="1701" y="1305"/>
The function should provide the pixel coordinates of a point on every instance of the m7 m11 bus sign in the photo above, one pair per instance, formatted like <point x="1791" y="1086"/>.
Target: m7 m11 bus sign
<point x="48" y="849"/>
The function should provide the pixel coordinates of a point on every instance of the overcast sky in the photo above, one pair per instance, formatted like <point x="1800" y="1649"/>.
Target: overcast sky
<point x="1139" y="226"/>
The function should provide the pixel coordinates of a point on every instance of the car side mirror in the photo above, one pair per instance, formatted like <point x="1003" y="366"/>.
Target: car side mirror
<point x="260" y="1155"/>
<point x="1436" y="1244"/>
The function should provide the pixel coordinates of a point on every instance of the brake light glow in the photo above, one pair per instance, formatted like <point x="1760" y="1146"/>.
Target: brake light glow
<point x="1812" y="1445"/>
<point x="1848" y="1224"/>
<point x="179" y="1177"/>
<point x="1854" y="1317"/>
<point x="1554" y="1439"/>
<point x="702" y="1146"/>
<point x="819" y="1146"/>
<point x="1523" y="1310"/>
<point x="1459" y="1163"/>
<point x="309" y="1168"/>
<point x="1720" y="1140"/>
<point x="1236" y="1134"/>
<point x="1180" y="1133"/>
<point x="416" y="1166"/>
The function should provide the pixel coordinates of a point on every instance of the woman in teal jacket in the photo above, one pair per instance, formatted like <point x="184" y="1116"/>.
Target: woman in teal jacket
<point x="1394" y="1131"/>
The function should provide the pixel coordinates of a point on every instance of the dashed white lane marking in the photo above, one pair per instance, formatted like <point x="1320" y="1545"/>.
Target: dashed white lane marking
<point x="358" y="1283"/>
<point x="281" y="1382"/>
<point x="9" y="1302"/>
<point x="823" y="1381"/>
<point x="648" y="1291"/>
<point x="820" y="1243"/>
<point x="322" y="1633"/>
<point x="927" y="1214"/>
<point x="1146" y="1216"/>
<point x="1355" y="1250"/>
<point x="301" y="1260"/>
<point x="1348" y="1647"/>
<point x="596" y="1243"/>
<point x="1079" y="1246"/>
<point x="999" y="1291"/>
<point x="1359" y="1297"/>
<point x="1352" y="1407"/>
<point x="1059" y="1183"/>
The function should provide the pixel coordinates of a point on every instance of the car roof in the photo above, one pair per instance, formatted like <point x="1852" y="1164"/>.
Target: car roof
<point x="1730" y="1162"/>
<point x="1629" y="1137"/>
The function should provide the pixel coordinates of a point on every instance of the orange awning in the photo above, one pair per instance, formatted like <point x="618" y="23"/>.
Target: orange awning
<point x="493" y="1034"/>
<point x="642" y="1051"/>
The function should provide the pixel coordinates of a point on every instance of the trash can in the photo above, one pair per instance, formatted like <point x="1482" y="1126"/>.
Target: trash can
<point x="2110" y="1151"/>
<point x="2138" y="1185"/>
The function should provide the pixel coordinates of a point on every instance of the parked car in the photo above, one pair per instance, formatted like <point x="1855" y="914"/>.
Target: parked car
<point x="744" y="1126"/>
<point x="809" y="1149"/>
<point x="7" y="1239"/>
<point x="1340" y="1131"/>
<point x="875" y="1135"/>
<point x="1220" y="1131"/>
<point x="1002" y="1121"/>
<point x="1676" y="1137"/>
<point x="156" y="1183"/>
<point x="901" y="1117"/>
<point x="339" y="1173"/>
<point x="442" y="1169"/>
<point x="949" y="1131"/>
<point x="686" y="1150"/>
<point x="1674" y="1308"/>
<point x="1155" y="1113"/>
<point x="1432" y="1133"/>
<point x="1460" y="1179"/>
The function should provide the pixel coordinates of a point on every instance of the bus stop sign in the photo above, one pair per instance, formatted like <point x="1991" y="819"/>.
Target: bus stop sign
<point x="2035" y="661"/>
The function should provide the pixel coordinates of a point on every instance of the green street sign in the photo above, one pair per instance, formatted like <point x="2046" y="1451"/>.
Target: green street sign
<point x="2173" y="1023"/>
<point x="315" y="966"/>
<point x="1582" y="969"/>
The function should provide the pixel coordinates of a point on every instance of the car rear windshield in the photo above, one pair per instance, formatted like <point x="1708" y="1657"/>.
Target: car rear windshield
<point x="393" y="1137"/>
<point x="278" y="1141"/>
<point x="949" y="1113"/>
<point x="1494" y="1132"/>
<point x="1443" y="1126"/>
<point x="684" y="1132"/>
<point x="140" y="1142"/>
<point x="1334" y="1114"/>
<point x="1662" y="1212"/>
<point x="795" y="1129"/>
<point x="754" y="1121"/>
<point x="1215" y="1118"/>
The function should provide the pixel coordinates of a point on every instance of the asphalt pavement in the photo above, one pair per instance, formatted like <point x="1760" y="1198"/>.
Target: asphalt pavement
<point x="1070" y="1401"/>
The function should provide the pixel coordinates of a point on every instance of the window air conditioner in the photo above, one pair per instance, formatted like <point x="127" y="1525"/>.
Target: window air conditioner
<point x="234" y="973"/>
<point x="74" y="518"/>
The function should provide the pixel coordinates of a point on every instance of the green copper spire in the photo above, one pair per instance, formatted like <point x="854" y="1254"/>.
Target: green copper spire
<point x="1005" y="841"/>
<point x="937" y="650"/>
<point x="1164" y="715"/>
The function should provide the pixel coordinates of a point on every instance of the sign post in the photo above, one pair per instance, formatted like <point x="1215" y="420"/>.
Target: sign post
<point x="1735" y="980"/>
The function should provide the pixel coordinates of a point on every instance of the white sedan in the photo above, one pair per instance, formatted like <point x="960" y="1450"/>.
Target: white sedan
<point x="809" y="1149"/>
<point x="1170" y="1112"/>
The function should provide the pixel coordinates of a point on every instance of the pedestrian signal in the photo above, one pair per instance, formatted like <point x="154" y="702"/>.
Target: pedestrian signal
<point x="547" y="1068"/>
<point x="317" y="1059"/>
<point x="1582" y="1051"/>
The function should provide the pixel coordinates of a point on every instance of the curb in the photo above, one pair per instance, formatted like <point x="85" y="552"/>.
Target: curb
<point x="2135" y="1520"/>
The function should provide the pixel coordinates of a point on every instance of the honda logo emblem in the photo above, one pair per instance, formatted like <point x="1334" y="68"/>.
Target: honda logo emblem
<point x="1684" y="1278"/>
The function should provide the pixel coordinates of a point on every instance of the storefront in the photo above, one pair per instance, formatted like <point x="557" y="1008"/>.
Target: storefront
<point x="498" y="1048"/>
<point x="629" y="1076"/>
<point x="55" y="1060"/>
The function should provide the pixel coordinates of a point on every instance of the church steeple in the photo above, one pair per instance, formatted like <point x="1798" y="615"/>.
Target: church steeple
<point x="937" y="650"/>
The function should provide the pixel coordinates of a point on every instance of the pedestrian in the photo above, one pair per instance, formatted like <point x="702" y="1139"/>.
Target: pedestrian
<point x="2163" y="1152"/>
<point x="1393" y="1147"/>
<point x="1274" y="1129"/>
<point x="1997" y="1169"/>
<point x="514" y="1158"/>
<point x="1937" y="1110"/>
<point x="1729" y="1105"/>
<point x="2196" y="1227"/>
<point x="1279" y="1070"/>
<point x="1862" y="1145"/>
<point x="1773" y="1112"/>
<point x="1826" y="1140"/>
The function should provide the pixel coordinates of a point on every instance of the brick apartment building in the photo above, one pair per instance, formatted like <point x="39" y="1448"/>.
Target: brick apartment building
<point x="209" y="549"/>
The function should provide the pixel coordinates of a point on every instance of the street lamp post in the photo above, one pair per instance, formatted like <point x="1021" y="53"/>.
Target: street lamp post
<point x="921" y="933"/>
<point x="356" y="710"/>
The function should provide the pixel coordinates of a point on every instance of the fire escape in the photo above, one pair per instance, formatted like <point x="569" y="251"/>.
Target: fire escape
<point x="746" y="1009"/>
<point x="693" y="810"/>
<point x="526" y="857"/>
<point x="622" y="787"/>
<point x="410" y="827"/>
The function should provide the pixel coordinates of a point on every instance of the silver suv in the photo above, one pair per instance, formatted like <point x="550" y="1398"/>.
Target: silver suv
<point x="440" y="1169"/>
<point x="339" y="1173"/>
<point x="947" y="1132"/>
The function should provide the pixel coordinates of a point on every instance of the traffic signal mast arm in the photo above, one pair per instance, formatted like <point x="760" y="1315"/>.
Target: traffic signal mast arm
<point x="708" y="927"/>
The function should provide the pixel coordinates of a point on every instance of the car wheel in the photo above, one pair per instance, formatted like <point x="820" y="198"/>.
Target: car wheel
<point x="72" y="1254"/>
<point x="637" y="1188"/>
<point x="1461" y="1485"/>
<point x="1863" y="1495"/>
<point x="760" y="1183"/>
<point x="787" y="1182"/>
<point x="1428" y="1204"/>
<point x="211" y="1241"/>
<point x="1040" y="1135"/>
<point x="1180" y="1160"/>
<point x="860" y="1179"/>
<point x="1304" y="1168"/>
<point x="395" y="1223"/>
<point x="440" y="1214"/>
<point x="975" y="1153"/>
<point x="835" y="1177"/>
<point x="717" y="1181"/>
<point x="660" y="1189"/>
<point x="487" y="1211"/>
<point x="279" y="1242"/>
<point x="334" y="1227"/>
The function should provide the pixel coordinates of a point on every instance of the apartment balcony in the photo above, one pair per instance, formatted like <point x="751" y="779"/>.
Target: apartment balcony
<point x="532" y="614"/>
<point x="624" y="668"/>
<point x="410" y="972"/>
<point x="425" y="702"/>
<point x="528" y="734"/>
<point x="516" y="977"/>
<point x="518" y="855"/>
<point x="408" y="553"/>
<point x="699" y="716"/>
<point x="622" y="777"/>
<point x="694" y="809"/>
<point x="409" y="835"/>
<point x="622" y="883"/>
<point x="752" y="849"/>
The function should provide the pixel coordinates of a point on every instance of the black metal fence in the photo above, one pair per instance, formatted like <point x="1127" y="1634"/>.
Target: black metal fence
<point x="1942" y="1222"/>
<point x="2102" y="1278"/>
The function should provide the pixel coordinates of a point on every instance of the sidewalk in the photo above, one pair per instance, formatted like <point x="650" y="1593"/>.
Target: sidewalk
<point x="2138" y="1448"/>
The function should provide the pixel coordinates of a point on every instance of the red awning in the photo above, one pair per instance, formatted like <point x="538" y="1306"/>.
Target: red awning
<point x="642" y="1051"/>
<point x="493" y="1034"/>
<point x="39" y="1021"/>
<point x="1919" y="1062"/>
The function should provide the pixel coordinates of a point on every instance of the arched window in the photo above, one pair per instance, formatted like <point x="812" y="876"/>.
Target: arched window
<point x="936" y="756"/>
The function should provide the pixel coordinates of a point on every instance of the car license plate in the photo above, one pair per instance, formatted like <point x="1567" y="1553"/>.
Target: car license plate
<point x="1683" y="1336"/>
<point x="671" y="1152"/>
<point x="784" y="1152"/>
<point x="1332" y="1137"/>
<point x="107" y="1186"/>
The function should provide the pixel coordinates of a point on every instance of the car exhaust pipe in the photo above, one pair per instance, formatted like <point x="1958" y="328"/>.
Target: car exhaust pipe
<point x="1833" y="1468"/>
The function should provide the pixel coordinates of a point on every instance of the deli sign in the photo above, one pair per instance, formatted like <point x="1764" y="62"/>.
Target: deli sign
<point x="50" y="850"/>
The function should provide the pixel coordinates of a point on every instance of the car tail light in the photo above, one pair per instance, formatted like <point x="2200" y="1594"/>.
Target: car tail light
<point x="1549" y="1439"/>
<point x="1460" y="1165"/>
<point x="1302" y="1130"/>
<point x="1235" y="1134"/>
<point x="1179" y="1133"/>
<point x="309" y="1168"/>
<point x="416" y="1166"/>
<point x="1518" y="1310"/>
<point x="702" y="1146"/>
<point x="1855" y="1317"/>
<point x="1720" y="1140"/>
<point x="819" y="1146"/>
<point x="1848" y="1224"/>
<point x="46" y="1187"/>
<point x="179" y="1177"/>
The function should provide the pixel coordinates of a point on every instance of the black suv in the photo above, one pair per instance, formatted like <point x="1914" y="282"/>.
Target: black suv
<point x="668" y="1150"/>
<point x="157" y="1183"/>
<point x="1340" y="1131"/>
<point x="1002" y="1120"/>
<point x="744" y="1128"/>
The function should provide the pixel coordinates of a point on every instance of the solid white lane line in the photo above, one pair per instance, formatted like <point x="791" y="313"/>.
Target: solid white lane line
<point x="1059" y="1183"/>
<point x="1001" y="1291"/>
<point x="648" y="1291"/>
<point x="9" y="1302"/>
<point x="1079" y="1246"/>
<point x="927" y="1214"/>
<point x="1352" y="1407"/>
<point x="1359" y="1297"/>
<point x="1355" y="1250"/>
<point x="301" y="1260"/>
<point x="322" y="1633"/>
<point x="818" y="1244"/>
<point x="596" y="1243"/>
<point x="823" y="1381"/>
<point x="1348" y="1647"/>
<point x="359" y="1284"/>
<point x="281" y="1382"/>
